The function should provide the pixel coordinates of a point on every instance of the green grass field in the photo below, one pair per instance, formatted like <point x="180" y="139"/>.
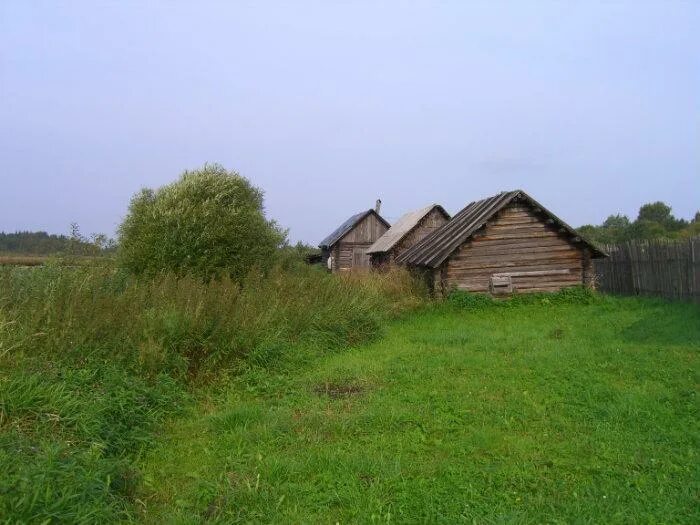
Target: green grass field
<point x="538" y="413"/>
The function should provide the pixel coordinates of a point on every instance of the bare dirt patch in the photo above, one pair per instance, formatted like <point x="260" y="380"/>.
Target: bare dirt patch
<point x="557" y="333"/>
<point x="339" y="390"/>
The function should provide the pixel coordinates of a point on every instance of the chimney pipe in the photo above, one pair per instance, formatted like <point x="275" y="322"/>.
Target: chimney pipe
<point x="378" y="205"/>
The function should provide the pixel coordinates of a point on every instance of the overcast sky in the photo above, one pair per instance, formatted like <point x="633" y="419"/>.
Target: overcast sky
<point x="591" y="107"/>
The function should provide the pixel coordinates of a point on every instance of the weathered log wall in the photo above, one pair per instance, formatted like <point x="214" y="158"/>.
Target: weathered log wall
<point x="523" y="245"/>
<point x="350" y="251"/>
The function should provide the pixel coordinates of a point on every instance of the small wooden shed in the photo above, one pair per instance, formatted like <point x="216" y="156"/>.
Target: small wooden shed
<point x="508" y="243"/>
<point x="347" y="245"/>
<point x="407" y="231"/>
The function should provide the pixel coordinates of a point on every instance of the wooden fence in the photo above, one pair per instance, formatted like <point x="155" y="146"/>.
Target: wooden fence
<point x="662" y="268"/>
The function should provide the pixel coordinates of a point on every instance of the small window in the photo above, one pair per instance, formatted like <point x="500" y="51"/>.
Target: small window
<point x="501" y="284"/>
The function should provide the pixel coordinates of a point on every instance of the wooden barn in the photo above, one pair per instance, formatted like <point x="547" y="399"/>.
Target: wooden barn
<point x="407" y="231"/>
<point x="347" y="246"/>
<point x="508" y="243"/>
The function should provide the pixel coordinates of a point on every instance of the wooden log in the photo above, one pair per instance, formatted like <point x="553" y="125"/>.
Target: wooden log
<point x="533" y="273"/>
<point x="487" y="272"/>
<point x="513" y="250"/>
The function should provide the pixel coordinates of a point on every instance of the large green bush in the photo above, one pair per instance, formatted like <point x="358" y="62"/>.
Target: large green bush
<point x="210" y="221"/>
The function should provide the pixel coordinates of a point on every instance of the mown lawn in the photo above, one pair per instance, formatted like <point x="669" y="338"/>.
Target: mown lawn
<point x="527" y="414"/>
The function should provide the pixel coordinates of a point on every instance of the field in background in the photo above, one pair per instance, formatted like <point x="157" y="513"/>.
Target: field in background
<point x="23" y="260"/>
<point x="58" y="260"/>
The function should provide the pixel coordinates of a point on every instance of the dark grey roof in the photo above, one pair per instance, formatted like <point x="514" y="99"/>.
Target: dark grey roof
<point x="348" y="225"/>
<point x="439" y="245"/>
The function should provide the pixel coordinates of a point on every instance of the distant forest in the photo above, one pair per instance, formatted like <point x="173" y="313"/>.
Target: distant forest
<point x="43" y="243"/>
<point x="654" y="221"/>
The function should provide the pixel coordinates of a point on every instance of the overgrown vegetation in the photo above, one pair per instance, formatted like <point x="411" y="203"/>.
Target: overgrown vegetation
<point x="92" y="359"/>
<point x="211" y="221"/>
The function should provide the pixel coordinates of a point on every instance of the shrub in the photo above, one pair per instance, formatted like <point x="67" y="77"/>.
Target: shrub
<point x="209" y="222"/>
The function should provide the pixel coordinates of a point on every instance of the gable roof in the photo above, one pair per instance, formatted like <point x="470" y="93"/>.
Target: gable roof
<point x="439" y="245"/>
<point x="403" y="227"/>
<point x="348" y="225"/>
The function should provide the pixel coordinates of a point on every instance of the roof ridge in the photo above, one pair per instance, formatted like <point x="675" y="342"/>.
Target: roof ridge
<point x="437" y="246"/>
<point x="348" y="225"/>
<point x="402" y="227"/>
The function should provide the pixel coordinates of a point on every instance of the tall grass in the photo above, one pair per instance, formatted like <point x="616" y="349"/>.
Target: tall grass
<point x="183" y="326"/>
<point x="92" y="359"/>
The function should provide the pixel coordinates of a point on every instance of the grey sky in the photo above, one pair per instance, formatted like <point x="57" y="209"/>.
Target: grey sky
<point x="593" y="108"/>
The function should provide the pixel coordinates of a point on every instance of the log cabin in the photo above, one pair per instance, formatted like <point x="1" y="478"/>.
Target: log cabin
<point x="508" y="243"/>
<point x="347" y="246"/>
<point x="411" y="228"/>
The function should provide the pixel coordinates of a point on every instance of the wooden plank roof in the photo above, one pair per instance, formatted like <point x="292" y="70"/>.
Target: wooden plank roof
<point x="403" y="227"/>
<point x="435" y="248"/>
<point x="348" y="225"/>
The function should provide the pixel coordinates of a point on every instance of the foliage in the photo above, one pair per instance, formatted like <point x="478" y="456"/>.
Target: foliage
<point x="570" y="295"/>
<point x="564" y="413"/>
<point x="654" y="221"/>
<point x="42" y="243"/>
<point x="293" y="256"/>
<point x="660" y="213"/>
<point x="210" y="221"/>
<point x="619" y="222"/>
<point x="693" y="229"/>
<point x="92" y="360"/>
<point x="64" y="438"/>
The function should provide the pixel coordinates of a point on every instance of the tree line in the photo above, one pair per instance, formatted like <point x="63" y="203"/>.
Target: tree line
<point x="42" y="243"/>
<point x="655" y="220"/>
